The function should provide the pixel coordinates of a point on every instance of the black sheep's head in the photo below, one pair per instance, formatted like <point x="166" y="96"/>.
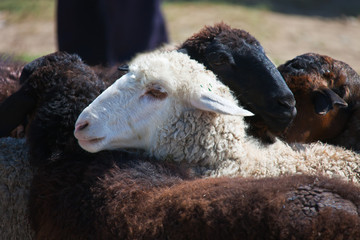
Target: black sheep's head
<point x="240" y="62"/>
<point x="55" y="89"/>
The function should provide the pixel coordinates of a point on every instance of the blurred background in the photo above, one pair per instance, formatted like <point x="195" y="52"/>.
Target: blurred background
<point x="284" y="28"/>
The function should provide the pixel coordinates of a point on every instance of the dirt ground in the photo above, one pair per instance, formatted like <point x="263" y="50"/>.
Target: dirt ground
<point x="283" y="36"/>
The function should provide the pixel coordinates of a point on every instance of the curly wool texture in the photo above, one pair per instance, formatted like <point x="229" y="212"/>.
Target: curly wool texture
<point x="217" y="145"/>
<point x="15" y="180"/>
<point x="204" y="140"/>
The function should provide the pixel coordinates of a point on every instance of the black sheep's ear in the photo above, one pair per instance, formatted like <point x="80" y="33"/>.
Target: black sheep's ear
<point x="14" y="110"/>
<point x="325" y="100"/>
<point x="124" y="67"/>
<point x="183" y="50"/>
<point x="30" y="68"/>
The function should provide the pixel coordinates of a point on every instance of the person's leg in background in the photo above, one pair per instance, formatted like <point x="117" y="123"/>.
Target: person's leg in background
<point x="110" y="31"/>
<point x="81" y="30"/>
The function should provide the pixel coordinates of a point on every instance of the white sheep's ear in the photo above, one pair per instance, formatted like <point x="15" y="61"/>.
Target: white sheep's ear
<point x="211" y="102"/>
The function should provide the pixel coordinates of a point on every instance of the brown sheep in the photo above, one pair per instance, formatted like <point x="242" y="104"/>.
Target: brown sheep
<point x="327" y="93"/>
<point x="103" y="199"/>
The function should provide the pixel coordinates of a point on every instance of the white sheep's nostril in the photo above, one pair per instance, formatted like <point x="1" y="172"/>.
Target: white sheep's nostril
<point x="81" y="126"/>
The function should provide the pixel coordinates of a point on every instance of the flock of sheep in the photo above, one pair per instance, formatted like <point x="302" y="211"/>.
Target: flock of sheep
<point x="199" y="142"/>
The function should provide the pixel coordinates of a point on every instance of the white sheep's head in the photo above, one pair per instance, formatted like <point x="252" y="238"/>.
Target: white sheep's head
<point x="159" y="86"/>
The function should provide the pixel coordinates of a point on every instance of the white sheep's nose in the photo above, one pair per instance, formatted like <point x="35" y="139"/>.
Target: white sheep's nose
<point x="81" y="126"/>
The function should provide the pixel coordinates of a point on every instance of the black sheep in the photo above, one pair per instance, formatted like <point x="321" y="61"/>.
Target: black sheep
<point x="240" y="62"/>
<point x="10" y="82"/>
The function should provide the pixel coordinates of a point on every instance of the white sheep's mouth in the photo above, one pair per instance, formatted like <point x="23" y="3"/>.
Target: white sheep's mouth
<point x="91" y="145"/>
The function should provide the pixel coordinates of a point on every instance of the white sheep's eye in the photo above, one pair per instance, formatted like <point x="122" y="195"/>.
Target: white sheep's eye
<point x="156" y="92"/>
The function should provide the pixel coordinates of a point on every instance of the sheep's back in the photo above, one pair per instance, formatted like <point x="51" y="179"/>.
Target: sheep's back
<point x="15" y="180"/>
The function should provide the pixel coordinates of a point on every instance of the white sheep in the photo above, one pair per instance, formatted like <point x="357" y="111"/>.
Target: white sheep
<point x="173" y="108"/>
<point x="15" y="180"/>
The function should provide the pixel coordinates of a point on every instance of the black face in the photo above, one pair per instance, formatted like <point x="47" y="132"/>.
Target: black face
<point x="255" y="81"/>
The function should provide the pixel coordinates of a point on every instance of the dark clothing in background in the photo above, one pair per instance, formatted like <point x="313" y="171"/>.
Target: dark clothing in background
<point x="109" y="31"/>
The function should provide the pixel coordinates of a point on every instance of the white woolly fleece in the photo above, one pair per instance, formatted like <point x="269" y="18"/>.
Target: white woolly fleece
<point x="217" y="145"/>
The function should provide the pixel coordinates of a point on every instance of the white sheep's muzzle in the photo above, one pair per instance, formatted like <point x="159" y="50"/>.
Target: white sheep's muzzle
<point x="121" y="117"/>
<point x="87" y="136"/>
